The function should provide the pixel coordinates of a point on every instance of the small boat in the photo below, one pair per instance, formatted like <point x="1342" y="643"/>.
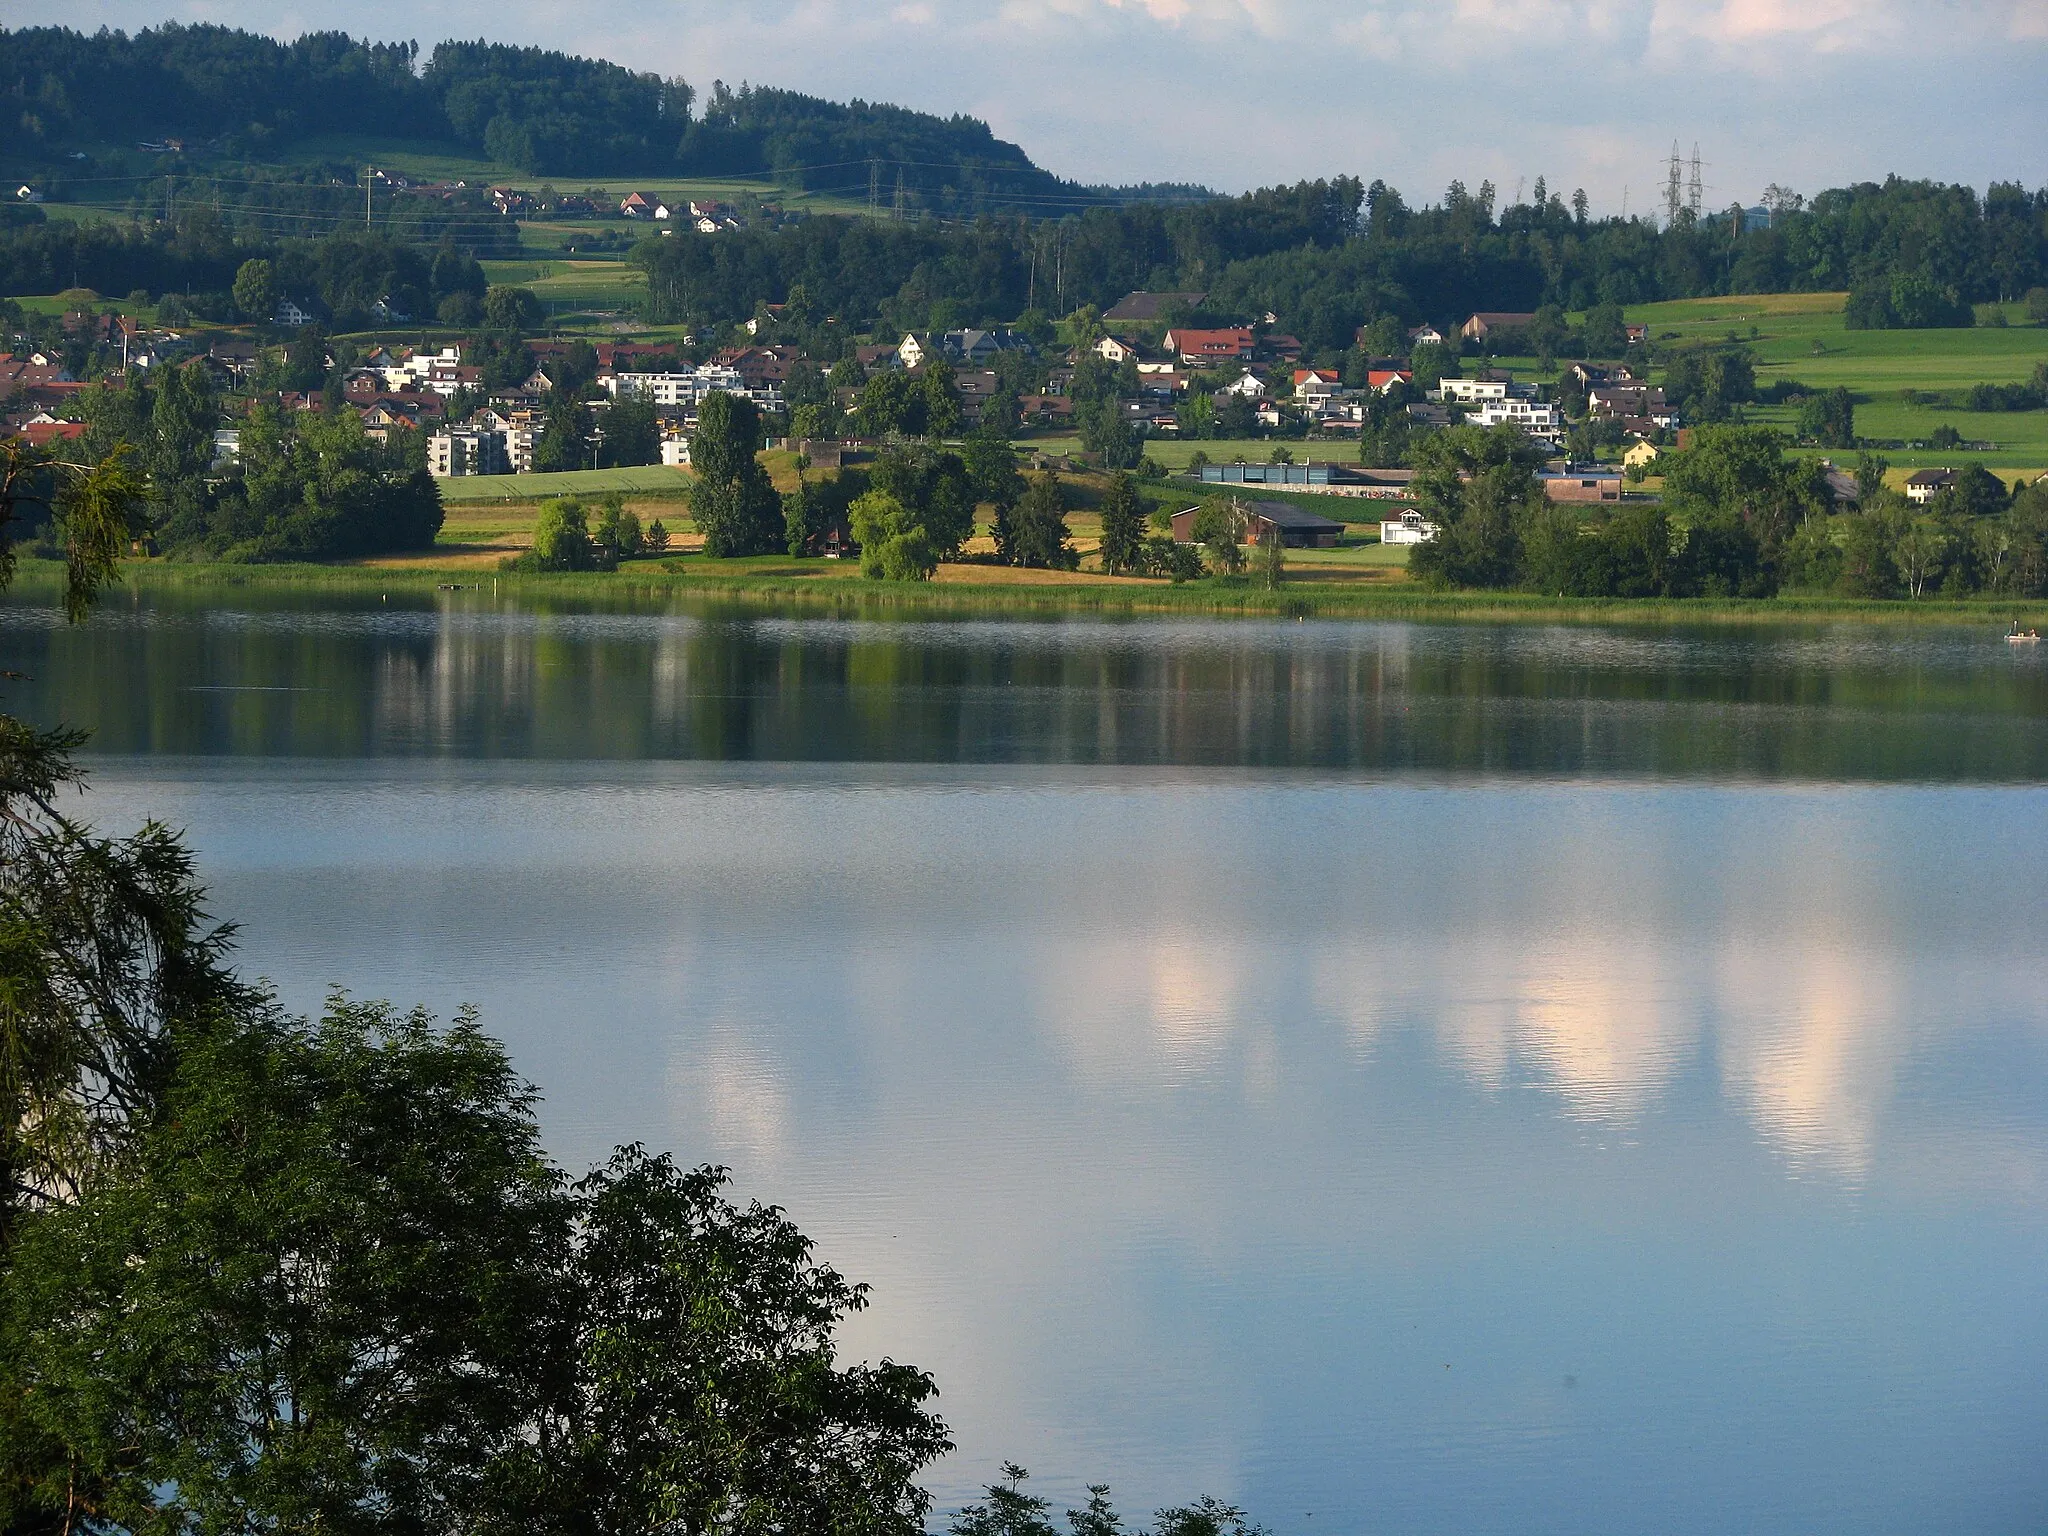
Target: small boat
<point x="2018" y="636"/>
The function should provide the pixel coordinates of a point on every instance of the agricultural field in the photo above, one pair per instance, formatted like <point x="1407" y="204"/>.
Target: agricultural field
<point x="1802" y="336"/>
<point x="648" y="479"/>
<point x="573" y="289"/>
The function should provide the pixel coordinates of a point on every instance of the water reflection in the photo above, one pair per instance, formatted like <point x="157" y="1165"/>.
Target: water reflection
<point x="1487" y="1155"/>
<point x="464" y="674"/>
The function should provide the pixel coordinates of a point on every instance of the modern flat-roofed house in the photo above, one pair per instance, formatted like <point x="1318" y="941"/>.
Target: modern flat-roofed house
<point x="1923" y="485"/>
<point x="1297" y="529"/>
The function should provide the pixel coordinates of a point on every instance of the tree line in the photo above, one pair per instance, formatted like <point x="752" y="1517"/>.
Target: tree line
<point x="1739" y="518"/>
<point x="546" y="112"/>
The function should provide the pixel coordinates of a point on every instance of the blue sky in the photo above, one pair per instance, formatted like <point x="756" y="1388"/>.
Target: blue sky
<point x="1238" y="93"/>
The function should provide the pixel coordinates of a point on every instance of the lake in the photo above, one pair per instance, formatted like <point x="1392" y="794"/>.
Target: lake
<point x="1425" y="1078"/>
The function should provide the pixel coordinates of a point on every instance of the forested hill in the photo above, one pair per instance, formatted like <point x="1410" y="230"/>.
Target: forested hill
<point x="547" y="113"/>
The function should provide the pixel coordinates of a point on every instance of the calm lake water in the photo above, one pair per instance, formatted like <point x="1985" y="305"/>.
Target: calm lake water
<point x="1410" y="1078"/>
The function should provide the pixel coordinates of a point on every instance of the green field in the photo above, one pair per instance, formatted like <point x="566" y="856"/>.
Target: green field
<point x="649" y="479"/>
<point x="569" y="288"/>
<point x="1802" y="336"/>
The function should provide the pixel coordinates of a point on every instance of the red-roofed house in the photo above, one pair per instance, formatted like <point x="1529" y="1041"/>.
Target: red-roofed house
<point x="41" y="434"/>
<point x="1384" y="379"/>
<point x="1226" y="346"/>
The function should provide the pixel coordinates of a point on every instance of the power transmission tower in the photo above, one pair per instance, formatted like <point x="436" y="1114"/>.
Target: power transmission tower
<point x="369" y="180"/>
<point x="902" y="204"/>
<point x="874" y="190"/>
<point x="1674" y="187"/>
<point x="1695" y="189"/>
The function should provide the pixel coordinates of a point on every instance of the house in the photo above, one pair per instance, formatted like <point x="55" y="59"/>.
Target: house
<point x="871" y="358"/>
<point x="1232" y="344"/>
<point x="509" y="201"/>
<point x="1118" y="349"/>
<point x="227" y="447"/>
<point x="1636" y="335"/>
<point x="675" y="448"/>
<point x="40" y="434"/>
<point x="1581" y="483"/>
<point x="1151" y="308"/>
<point x="1298" y="529"/>
<point x="913" y="351"/>
<point x="638" y="205"/>
<point x="716" y="211"/>
<point x="1409" y="528"/>
<point x="1537" y="419"/>
<point x="1425" y="336"/>
<point x="1487" y="387"/>
<point x="973" y="346"/>
<point x="388" y="311"/>
<point x="1489" y="323"/>
<point x="1284" y="349"/>
<point x="1046" y="410"/>
<point x="1641" y="455"/>
<point x="295" y="313"/>
<point x="1248" y="384"/>
<point x="1923" y="485"/>
<point x="1314" y="387"/>
<point x="466" y="450"/>
<point x="1600" y="376"/>
<point x="1629" y="399"/>
<point x="27" y="194"/>
<point x="1381" y="380"/>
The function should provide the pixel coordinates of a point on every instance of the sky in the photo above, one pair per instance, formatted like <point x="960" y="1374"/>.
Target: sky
<point x="1241" y="93"/>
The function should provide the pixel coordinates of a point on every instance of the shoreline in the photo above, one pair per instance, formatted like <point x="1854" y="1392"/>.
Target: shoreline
<point x="1097" y="599"/>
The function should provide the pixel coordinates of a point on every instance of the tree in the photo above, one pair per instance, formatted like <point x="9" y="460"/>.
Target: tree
<point x="561" y="443"/>
<point x="255" y="290"/>
<point x="322" y="1295"/>
<point x="1038" y="527"/>
<point x="941" y="404"/>
<point x="1977" y="493"/>
<point x="511" y="309"/>
<point x="733" y="503"/>
<point x="706" y="1396"/>
<point x="561" y="538"/>
<point x="1272" y="558"/>
<point x="1007" y="1510"/>
<point x="1219" y="527"/>
<point x="893" y="545"/>
<point x="1830" y="419"/>
<point x="1479" y="488"/>
<point x="657" y="537"/>
<point x="632" y="435"/>
<point x="1123" y="527"/>
<point x="1871" y="469"/>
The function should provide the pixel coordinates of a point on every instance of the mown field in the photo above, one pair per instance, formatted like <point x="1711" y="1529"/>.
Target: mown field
<point x="1803" y="337"/>
<point x="576" y="482"/>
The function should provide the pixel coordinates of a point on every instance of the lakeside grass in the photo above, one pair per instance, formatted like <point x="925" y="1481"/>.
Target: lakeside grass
<point x="772" y="582"/>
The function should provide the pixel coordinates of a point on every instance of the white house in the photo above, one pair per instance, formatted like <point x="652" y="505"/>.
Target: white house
<point x="27" y="194"/>
<point x="1248" y="384"/>
<point x="1117" y="350"/>
<point x="914" y="351"/>
<point x="1408" y="528"/>
<point x="1532" y="416"/>
<point x="1425" y="336"/>
<point x="1471" y="391"/>
<point x="675" y="449"/>
<point x="294" y="313"/>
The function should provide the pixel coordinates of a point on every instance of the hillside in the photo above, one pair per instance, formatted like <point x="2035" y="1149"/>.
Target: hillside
<point x="207" y="95"/>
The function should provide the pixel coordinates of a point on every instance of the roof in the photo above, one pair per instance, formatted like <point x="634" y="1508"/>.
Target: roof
<point x="1501" y="317"/>
<point x="1326" y="375"/>
<point x="1141" y="305"/>
<point x="41" y="434"/>
<point x="1937" y="477"/>
<point x="1284" y="514"/>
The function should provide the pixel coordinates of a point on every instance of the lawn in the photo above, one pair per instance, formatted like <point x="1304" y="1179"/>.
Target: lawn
<point x="651" y="478"/>
<point x="567" y="286"/>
